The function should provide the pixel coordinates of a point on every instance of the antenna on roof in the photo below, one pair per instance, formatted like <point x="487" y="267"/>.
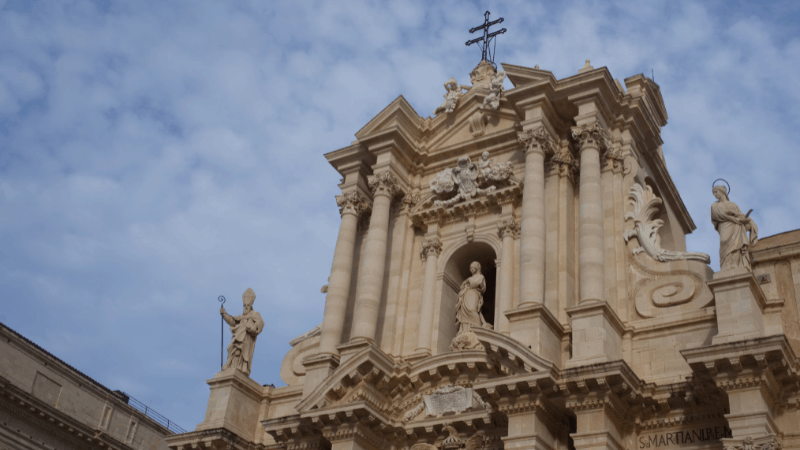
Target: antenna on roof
<point x="652" y="75"/>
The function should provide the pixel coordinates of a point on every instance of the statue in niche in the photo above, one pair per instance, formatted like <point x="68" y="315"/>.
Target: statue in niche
<point x="468" y="176"/>
<point x="451" y="96"/>
<point x="470" y="301"/>
<point x="733" y="227"/>
<point x="245" y="329"/>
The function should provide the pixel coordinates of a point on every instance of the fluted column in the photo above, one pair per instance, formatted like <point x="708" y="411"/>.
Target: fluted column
<point x="532" y="238"/>
<point x="507" y="229"/>
<point x="591" y="140"/>
<point x="351" y="206"/>
<point x="431" y="248"/>
<point x="370" y="281"/>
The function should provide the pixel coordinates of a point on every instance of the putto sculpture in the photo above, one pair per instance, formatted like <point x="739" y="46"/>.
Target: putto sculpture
<point x="468" y="176"/>
<point x="244" y="329"/>
<point x="451" y="96"/>
<point x="733" y="227"/>
<point x="492" y="101"/>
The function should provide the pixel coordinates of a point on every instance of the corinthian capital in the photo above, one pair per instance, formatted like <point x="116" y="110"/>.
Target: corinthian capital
<point x="507" y="227"/>
<point x="432" y="246"/>
<point x="564" y="164"/>
<point x="593" y="135"/>
<point x="537" y="140"/>
<point x="384" y="184"/>
<point x="352" y="203"/>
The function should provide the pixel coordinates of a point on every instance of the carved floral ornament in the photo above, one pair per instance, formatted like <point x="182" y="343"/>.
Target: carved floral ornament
<point x="593" y="135"/>
<point x="537" y="140"/>
<point x="384" y="184"/>
<point x="352" y="203"/>
<point x="507" y="227"/>
<point x="432" y="246"/>
<point x="645" y="207"/>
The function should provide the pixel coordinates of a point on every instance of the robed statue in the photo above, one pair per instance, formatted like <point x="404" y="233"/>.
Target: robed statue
<point x="470" y="301"/>
<point x="245" y="330"/>
<point x="733" y="227"/>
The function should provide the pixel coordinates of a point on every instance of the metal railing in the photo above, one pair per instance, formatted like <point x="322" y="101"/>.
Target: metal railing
<point x="149" y="412"/>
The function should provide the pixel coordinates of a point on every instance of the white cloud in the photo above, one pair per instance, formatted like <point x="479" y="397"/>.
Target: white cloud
<point x="154" y="155"/>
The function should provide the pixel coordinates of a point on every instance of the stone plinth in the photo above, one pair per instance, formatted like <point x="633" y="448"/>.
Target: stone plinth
<point x="318" y="367"/>
<point x="535" y="326"/>
<point x="596" y="334"/>
<point x="740" y="306"/>
<point x="233" y="404"/>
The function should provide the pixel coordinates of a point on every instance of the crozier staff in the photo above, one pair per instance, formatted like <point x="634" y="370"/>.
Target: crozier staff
<point x="733" y="226"/>
<point x="245" y="329"/>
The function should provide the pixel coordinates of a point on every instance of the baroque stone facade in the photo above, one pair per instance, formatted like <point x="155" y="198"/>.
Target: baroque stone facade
<point x="602" y="331"/>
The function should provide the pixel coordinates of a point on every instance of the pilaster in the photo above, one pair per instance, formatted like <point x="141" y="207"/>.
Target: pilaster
<point x="740" y="306"/>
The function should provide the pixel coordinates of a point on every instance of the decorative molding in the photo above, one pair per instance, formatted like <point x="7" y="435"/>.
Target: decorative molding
<point x="564" y="164"/>
<point x="508" y="227"/>
<point x="593" y="135"/>
<point x="477" y="124"/>
<point x="537" y="140"/>
<point x="645" y="207"/>
<point x="352" y="203"/>
<point x="384" y="184"/>
<point x="430" y="246"/>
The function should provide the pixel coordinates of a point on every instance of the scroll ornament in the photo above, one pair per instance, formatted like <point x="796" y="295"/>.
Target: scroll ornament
<point x="645" y="207"/>
<point x="452" y="442"/>
<point x="468" y="177"/>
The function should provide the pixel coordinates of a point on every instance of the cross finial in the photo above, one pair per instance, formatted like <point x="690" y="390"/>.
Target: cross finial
<point x="487" y="54"/>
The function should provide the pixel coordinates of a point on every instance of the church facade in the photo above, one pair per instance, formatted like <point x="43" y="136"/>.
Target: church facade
<point x="513" y="273"/>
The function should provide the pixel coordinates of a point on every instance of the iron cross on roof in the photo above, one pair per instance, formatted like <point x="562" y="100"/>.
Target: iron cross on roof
<point x="487" y="54"/>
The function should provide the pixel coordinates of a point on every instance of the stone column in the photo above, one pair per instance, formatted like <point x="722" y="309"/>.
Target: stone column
<point x="507" y="229"/>
<point x="351" y="206"/>
<point x="370" y="281"/>
<point x="596" y="328"/>
<point x="591" y="140"/>
<point x="532" y="238"/>
<point x="431" y="249"/>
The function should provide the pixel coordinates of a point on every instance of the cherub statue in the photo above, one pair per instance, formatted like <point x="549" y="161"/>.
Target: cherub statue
<point x="492" y="101"/>
<point x="451" y="96"/>
<point x="489" y="172"/>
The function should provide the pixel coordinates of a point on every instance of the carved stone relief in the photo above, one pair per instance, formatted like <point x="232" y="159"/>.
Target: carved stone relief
<point x="451" y="97"/>
<point x="645" y="207"/>
<point x="468" y="177"/>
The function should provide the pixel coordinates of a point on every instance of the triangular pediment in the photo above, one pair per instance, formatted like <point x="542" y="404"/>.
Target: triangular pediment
<point x="389" y="387"/>
<point x="398" y="114"/>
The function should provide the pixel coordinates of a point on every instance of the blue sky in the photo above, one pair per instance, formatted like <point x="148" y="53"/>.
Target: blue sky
<point x="154" y="155"/>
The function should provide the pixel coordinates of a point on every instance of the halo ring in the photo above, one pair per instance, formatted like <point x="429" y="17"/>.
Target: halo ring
<point x="714" y="184"/>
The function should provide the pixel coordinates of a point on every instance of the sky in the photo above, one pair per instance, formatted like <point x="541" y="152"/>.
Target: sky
<point x="157" y="154"/>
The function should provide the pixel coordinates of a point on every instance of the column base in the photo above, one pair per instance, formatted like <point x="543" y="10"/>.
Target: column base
<point x="233" y="404"/>
<point x="596" y="334"/>
<point x="535" y="326"/>
<point x="740" y="304"/>
<point x="318" y="367"/>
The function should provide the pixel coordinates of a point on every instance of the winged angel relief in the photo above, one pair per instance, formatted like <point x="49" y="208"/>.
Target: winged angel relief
<point x="452" y="442"/>
<point x="469" y="176"/>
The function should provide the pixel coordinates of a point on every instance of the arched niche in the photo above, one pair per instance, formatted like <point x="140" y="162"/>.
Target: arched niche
<point x="455" y="271"/>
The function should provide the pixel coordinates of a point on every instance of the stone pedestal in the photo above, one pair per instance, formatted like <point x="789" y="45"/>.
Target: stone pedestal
<point x="740" y="306"/>
<point x="596" y="334"/>
<point x="535" y="326"/>
<point x="318" y="367"/>
<point x="530" y="425"/>
<point x="233" y="404"/>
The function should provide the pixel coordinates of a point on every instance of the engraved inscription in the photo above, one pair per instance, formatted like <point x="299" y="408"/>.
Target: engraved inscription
<point x="684" y="437"/>
<point x="455" y="399"/>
